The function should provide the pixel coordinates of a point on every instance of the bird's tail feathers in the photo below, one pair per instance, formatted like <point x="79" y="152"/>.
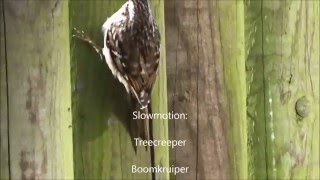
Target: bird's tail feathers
<point x="143" y="128"/>
<point x="141" y="119"/>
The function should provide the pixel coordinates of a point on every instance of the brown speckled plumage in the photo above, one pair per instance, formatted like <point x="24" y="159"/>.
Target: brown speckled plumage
<point x="132" y="51"/>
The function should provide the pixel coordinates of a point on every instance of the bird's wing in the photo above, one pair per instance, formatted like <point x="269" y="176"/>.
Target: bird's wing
<point x="143" y="75"/>
<point x="113" y="30"/>
<point x="132" y="59"/>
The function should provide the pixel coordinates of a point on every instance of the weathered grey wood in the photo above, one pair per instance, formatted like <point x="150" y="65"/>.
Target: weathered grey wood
<point x="182" y="63"/>
<point x="281" y="44"/>
<point x="39" y="91"/>
<point x="4" y="151"/>
<point x="205" y="46"/>
<point x="213" y="159"/>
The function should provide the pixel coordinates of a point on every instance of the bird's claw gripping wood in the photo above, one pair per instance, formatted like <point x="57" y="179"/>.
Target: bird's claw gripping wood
<point x="82" y="36"/>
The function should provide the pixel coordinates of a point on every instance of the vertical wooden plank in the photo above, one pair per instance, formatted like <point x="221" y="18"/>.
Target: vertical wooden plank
<point x="4" y="151"/>
<point x="213" y="159"/>
<point x="103" y="146"/>
<point x="255" y="93"/>
<point x="206" y="48"/>
<point x="283" y="81"/>
<point x="171" y="52"/>
<point x="98" y="107"/>
<point x="159" y="94"/>
<point x="182" y="63"/>
<point x="291" y="78"/>
<point x="37" y="47"/>
<point x="231" y="24"/>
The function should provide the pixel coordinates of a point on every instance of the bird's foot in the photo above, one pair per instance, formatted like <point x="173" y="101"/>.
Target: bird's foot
<point x="82" y="36"/>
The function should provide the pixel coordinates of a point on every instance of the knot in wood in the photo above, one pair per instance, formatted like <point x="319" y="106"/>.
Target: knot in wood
<point x="303" y="107"/>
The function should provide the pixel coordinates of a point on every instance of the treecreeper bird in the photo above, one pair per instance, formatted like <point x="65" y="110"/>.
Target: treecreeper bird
<point x="132" y="52"/>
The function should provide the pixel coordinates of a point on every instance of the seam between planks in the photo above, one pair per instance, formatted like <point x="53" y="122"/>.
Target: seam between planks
<point x="197" y="148"/>
<point x="264" y="87"/>
<point x="7" y="85"/>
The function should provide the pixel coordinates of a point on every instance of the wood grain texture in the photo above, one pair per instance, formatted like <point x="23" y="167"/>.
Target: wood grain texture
<point x="96" y="130"/>
<point x="232" y="40"/>
<point x="182" y="60"/>
<point x="283" y="71"/>
<point x="4" y="151"/>
<point x="205" y="55"/>
<point x="255" y="93"/>
<point x="213" y="160"/>
<point x="38" y="69"/>
<point x="280" y="42"/>
<point x="102" y="144"/>
<point x="159" y="94"/>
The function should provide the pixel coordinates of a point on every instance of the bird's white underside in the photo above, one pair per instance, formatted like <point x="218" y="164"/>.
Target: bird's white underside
<point x="117" y="18"/>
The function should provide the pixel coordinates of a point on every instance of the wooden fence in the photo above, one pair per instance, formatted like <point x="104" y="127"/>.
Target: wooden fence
<point x="63" y="115"/>
<point x="245" y="72"/>
<point x="247" y="75"/>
